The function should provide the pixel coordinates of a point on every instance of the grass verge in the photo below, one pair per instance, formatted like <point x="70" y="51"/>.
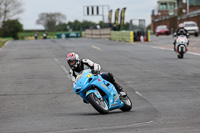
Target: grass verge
<point x="3" y="41"/>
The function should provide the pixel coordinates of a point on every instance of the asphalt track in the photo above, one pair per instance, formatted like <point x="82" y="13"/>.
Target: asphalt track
<point x="36" y="94"/>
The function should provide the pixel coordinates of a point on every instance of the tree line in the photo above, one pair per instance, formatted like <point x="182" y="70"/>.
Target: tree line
<point x="54" y="22"/>
<point x="10" y="25"/>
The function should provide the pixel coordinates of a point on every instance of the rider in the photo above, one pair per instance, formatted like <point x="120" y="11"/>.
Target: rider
<point x="77" y="65"/>
<point x="180" y="31"/>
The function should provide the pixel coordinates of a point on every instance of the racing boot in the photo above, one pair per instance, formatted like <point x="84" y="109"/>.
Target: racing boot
<point x="109" y="77"/>
<point x="119" y="89"/>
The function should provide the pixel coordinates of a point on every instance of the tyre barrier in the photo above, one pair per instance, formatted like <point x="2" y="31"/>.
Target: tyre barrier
<point x="130" y="36"/>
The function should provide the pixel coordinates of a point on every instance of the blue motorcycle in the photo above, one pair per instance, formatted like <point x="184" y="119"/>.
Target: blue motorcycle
<point x="100" y="93"/>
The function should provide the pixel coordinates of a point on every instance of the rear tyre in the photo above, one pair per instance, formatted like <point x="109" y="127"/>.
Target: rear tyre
<point x="127" y="104"/>
<point x="98" y="104"/>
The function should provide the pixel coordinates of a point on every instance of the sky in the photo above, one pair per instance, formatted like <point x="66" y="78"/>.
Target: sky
<point x="73" y="10"/>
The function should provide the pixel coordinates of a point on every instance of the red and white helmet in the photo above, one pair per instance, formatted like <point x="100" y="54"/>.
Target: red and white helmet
<point x="181" y="26"/>
<point x="73" y="60"/>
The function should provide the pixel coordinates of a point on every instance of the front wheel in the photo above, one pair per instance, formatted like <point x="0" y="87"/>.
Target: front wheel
<point x="180" y="56"/>
<point x="98" y="104"/>
<point x="127" y="104"/>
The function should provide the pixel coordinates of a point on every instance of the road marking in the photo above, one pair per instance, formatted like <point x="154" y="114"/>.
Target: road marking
<point x="64" y="69"/>
<point x="55" y="59"/>
<point x="105" y="128"/>
<point x="173" y="50"/>
<point x="193" y="53"/>
<point x="95" y="47"/>
<point x="161" y="48"/>
<point x="129" y="81"/>
<point x="138" y="93"/>
<point x="5" y="44"/>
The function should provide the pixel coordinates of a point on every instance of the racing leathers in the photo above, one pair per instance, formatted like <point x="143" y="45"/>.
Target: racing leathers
<point x="95" y="67"/>
<point x="178" y="33"/>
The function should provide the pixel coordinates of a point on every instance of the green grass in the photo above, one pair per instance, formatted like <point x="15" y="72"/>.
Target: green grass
<point x="31" y="35"/>
<point x="2" y="42"/>
<point x="25" y="35"/>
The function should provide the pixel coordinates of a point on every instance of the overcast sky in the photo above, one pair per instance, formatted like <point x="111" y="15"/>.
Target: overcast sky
<point x="73" y="9"/>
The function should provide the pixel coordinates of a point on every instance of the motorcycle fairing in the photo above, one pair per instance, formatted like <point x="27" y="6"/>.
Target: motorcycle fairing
<point x="87" y="83"/>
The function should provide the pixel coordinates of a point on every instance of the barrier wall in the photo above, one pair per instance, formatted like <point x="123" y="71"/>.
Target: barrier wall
<point x="68" y="35"/>
<point x="39" y="37"/>
<point x="130" y="36"/>
<point x="98" y="33"/>
<point x="127" y="36"/>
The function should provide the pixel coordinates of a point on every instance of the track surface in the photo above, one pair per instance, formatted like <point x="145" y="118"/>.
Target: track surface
<point x="36" y="93"/>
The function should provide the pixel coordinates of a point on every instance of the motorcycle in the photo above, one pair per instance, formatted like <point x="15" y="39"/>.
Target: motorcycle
<point x="181" y="46"/>
<point x="100" y="93"/>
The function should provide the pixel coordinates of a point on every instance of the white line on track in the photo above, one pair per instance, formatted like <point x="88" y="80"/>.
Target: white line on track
<point x="138" y="93"/>
<point x="193" y="53"/>
<point x="5" y="44"/>
<point x="172" y="50"/>
<point x="162" y="48"/>
<point x="105" y="128"/>
<point x="56" y="60"/>
<point x="64" y="69"/>
<point x="95" y="47"/>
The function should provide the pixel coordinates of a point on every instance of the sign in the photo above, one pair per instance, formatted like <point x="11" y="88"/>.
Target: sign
<point x="116" y="16"/>
<point x="122" y="16"/>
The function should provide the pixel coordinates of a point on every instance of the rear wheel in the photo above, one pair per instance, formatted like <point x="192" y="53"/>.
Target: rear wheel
<point x="99" y="104"/>
<point x="127" y="104"/>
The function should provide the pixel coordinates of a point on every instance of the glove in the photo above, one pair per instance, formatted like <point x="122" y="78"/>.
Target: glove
<point x="95" y="72"/>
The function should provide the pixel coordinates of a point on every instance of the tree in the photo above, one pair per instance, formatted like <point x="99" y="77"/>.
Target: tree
<point x="103" y="24"/>
<point x="87" y="24"/>
<point x="9" y="9"/>
<point x="76" y="26"/>
<point x="10" y="28"/>
<point x="62" y="27"/>
<point x="50" y="20"/>
<point x="148" y="27"/>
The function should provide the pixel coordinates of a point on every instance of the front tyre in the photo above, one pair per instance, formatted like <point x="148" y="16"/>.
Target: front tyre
<point x="98" y="104"/>
<point x="127" y="104"/>
<point x="181" y="54"/>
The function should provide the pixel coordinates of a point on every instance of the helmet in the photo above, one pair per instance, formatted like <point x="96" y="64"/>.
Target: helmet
<point x="73" y="60"/>
<point x="181" y="26"/>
